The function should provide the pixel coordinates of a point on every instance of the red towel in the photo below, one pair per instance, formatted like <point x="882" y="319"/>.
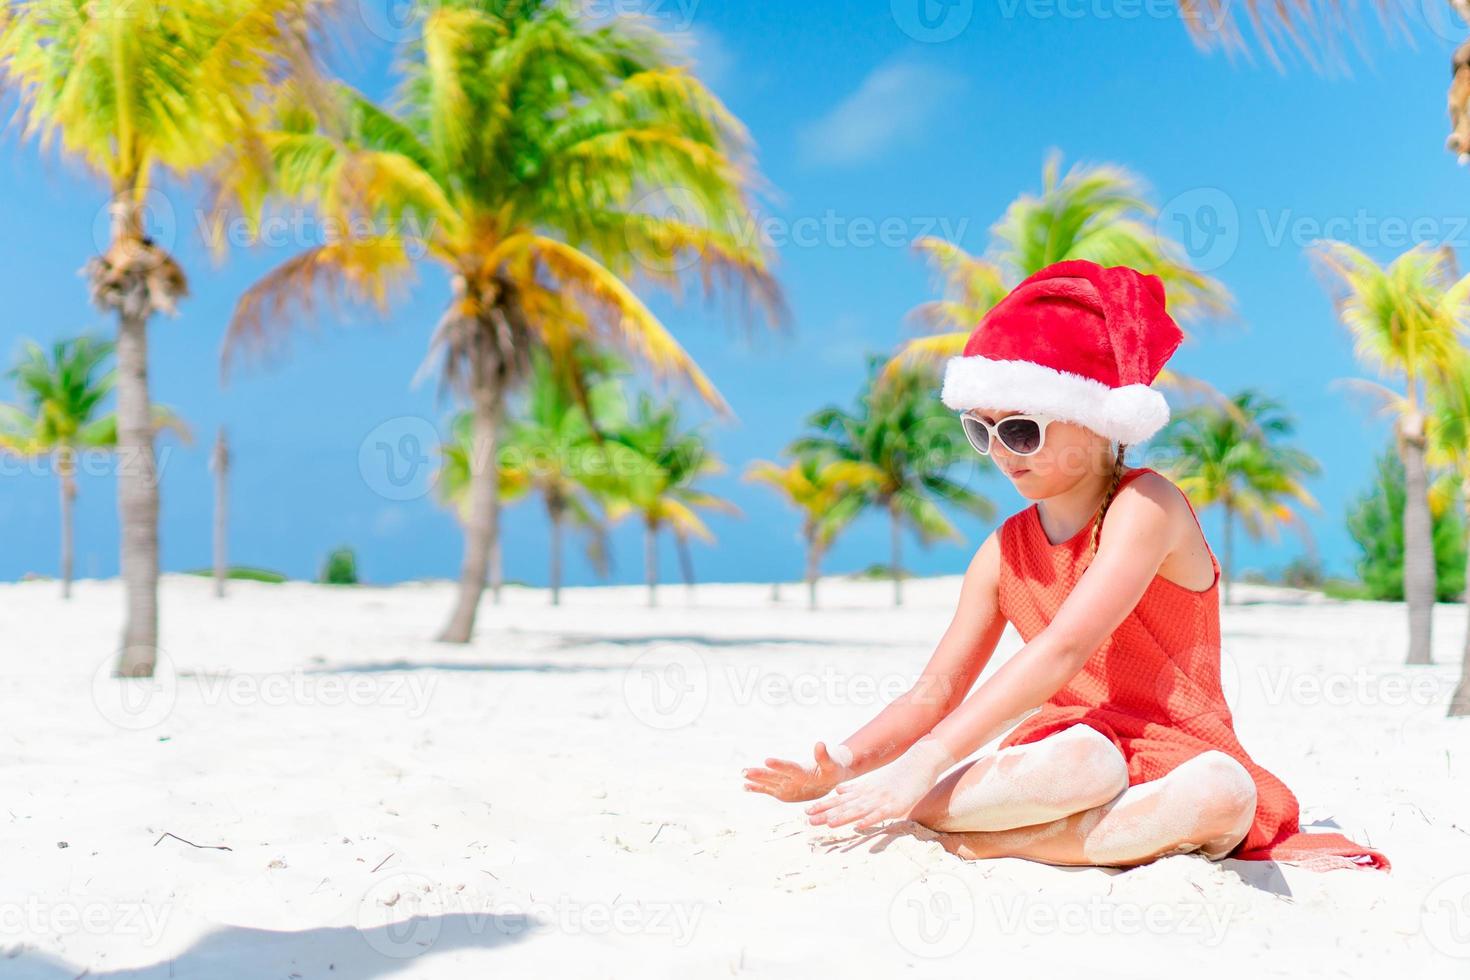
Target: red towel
<point x="1319" y="852"/>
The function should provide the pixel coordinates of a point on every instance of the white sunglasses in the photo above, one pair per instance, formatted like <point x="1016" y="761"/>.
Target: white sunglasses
<point x="1022" y="434"/>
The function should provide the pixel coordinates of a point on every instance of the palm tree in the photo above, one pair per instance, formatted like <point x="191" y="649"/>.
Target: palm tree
<point x="651" y="468"/>
<point x="827" y="504"/>
<point x="546" y="451"/>
<point x="533" y="155"/>
<point x="1408" y="320"/>
<point x="1099" y="212"/>
<point x="1243" y="468"/>
<point x="136" y="89"/>
<point x="62" y="418"/>
<point x="1449" y="446"/>
<point x="895" y="451"/>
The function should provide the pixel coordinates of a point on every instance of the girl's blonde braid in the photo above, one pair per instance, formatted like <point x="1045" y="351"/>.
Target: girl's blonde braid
<point x="1108" y="498"/>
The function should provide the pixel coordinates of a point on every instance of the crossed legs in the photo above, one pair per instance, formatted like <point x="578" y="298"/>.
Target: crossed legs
<point x="1065" y="799"/>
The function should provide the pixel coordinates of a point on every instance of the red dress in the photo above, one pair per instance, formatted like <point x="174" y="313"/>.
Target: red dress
<point x="1153" y="687"/>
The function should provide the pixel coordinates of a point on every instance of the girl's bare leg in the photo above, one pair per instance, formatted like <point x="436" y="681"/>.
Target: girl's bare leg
<point x="1206" y="804"/>
<point x="1073" y="770"/>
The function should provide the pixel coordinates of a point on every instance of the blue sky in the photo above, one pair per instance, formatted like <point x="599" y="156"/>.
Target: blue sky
<point x="873" y="126"/>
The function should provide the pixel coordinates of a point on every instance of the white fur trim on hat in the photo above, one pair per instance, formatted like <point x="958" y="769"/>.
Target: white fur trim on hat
<point x="1129" y="414"/>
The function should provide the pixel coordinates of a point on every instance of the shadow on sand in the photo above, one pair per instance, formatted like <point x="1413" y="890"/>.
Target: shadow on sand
<point x="241" y="953"/>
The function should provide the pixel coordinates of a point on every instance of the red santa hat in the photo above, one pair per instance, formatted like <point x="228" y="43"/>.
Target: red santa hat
<point x="1075" y="340"/>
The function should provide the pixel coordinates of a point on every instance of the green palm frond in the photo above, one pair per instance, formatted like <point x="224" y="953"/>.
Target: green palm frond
<point x="652" y="467"/>
<point x="130" y="85"/>
<point x="62" y="391"/>
<point x="1408" y="320"/>
<point x="1099" y="212"/>
<point x="898" y="442"/>
<point x="529" y="152"/>
<point x="1448" y="431"/>
<point x="1238" y="460"/>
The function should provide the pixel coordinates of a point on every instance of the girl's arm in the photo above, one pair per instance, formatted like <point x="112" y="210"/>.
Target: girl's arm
<point x="1139" y="534"/>
<point x="961" y="656"/>
<point x="964" y="650"/>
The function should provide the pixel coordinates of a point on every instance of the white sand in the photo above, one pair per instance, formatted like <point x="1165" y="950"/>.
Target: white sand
<point x="563" y="798"/>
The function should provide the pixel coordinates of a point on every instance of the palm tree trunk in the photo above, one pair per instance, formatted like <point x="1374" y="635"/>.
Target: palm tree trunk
<point x="482" y="525"/>
<point x="1419" y="574"/>
<point x="1460" y="701"/>
<point x="895" y="533"/>
<point x="1229" y="548"/>
<point x="221" y="466"/>
<point x="554" y="512"/>
<point x="650" y="560"/>
<point x="137" y="496"/>
<point x="813" y="568"/>
<point x="497" y="567"/>
<point x="686" y="564"/>
<point x="68" y="498"/>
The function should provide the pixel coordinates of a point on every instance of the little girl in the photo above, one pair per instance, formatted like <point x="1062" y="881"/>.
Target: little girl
<point x="1131" y="753"/>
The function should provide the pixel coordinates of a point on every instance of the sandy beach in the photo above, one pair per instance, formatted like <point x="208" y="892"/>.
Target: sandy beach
<point x="312" y="788"/>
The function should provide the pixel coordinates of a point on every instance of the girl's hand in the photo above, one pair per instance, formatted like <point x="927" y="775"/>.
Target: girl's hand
<point x="886" y="793"/>
<point x="792" y="782"/>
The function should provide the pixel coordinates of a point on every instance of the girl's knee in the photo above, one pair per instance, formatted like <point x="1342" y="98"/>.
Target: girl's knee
<point x="1226" y="793"/>
<point x="1093" y="762"/>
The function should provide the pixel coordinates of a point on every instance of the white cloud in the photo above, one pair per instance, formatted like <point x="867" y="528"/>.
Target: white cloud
<point x="388" y="521"/>
<point x="894" y="104"/>
<point x="713" y="62"/>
